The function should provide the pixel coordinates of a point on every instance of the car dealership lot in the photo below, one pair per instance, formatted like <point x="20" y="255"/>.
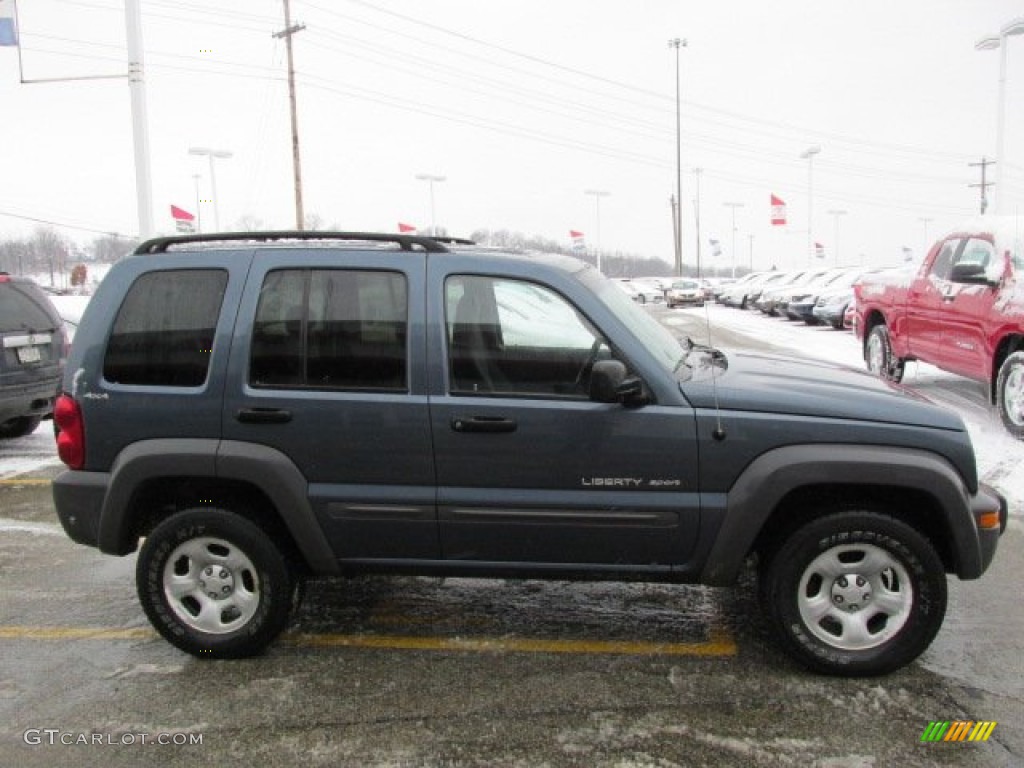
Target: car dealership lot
<point x="413" y="671"/>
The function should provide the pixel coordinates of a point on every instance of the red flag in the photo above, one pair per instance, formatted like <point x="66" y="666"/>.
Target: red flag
<point x="180" y="214"/>
<point x="403" y="228"/>
<point x="575" y="235"/>
<point x="778" y="212"/>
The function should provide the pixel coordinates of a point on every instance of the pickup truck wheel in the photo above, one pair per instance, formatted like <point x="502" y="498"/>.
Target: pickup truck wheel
<point x="1010" y="394"/>
<point x="879" y="357"/>
<point x="855" y="593"/>
<point x="214" y="584"/>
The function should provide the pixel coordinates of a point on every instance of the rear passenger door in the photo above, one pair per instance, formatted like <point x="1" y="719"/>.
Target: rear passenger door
<point x="328" y="367"/>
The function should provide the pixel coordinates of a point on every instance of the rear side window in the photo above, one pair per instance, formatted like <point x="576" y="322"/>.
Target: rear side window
<point x="164" y="331"/>
<point x="330" y="329"/>
<point x="23" y="307"/>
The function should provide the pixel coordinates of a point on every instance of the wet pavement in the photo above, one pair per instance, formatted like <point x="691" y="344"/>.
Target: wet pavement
<point x="404" y="672"/>
<point x="407" y="671"/>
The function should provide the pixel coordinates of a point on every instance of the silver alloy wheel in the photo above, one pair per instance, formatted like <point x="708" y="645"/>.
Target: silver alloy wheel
<point x="1013" y="395"/>
<point x="876" y="354"/>
<point x="855" y="597"/>
<point x="211" y="585"/>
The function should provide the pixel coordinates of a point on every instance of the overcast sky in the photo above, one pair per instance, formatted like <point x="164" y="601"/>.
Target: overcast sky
<point x="523" y="106"/>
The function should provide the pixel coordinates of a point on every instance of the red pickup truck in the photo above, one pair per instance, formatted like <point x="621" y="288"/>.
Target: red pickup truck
<point x="962" y="311"/>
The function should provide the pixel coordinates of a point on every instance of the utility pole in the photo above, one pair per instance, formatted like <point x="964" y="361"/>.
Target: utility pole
<point x="287" y="33"/>
<point x="675" y="230"/>
<point x="696" y="214"/>
<point x="984" y="185"/>
<point x="678" y="43"/>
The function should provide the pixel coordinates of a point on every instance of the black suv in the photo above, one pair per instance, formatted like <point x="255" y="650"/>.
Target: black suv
<point x="32" y="337"/>
<point x="263" y="407"/>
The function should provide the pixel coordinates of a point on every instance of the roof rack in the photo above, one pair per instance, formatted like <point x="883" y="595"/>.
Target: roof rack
<point x="407" y="242"/>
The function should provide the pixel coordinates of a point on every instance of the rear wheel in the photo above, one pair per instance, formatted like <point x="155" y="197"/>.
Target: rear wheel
<point x="879" y="356"/>
<point x="855" y="593"/>
<point x="214" y="584"/>
<point x="20" y="427"/>
<point x="1010" y="394"/>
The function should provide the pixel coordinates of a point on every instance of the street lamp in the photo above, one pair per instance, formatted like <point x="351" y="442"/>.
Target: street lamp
<point x="836" y="213"/>
<point x="210" y="154"/>
<point x="734" y="206"/>
<point x="988" y="43"/>
<point x="808" y="155"/>
<point x="431" y="179"/>
<point x="597" y="195"/>
<point x="925" y="220"/>
<point x="199" y="215"/>
<point x="678" y="43"/>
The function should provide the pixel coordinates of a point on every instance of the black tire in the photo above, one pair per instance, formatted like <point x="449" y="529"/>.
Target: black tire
<point x="215" y="585"/>
<point x="854" y="594"/>
<point x="879" y="356"/>
<point x="20" y="427"/>
<point x="1010" y="394"/>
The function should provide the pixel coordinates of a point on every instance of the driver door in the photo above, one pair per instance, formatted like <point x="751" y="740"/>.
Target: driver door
<point x="529" y="469"/>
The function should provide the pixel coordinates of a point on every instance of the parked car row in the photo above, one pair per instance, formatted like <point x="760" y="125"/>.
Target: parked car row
<point x="816" y="296"/>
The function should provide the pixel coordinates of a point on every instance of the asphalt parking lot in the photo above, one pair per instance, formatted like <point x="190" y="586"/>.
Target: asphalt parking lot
<point x="406" y="671"/>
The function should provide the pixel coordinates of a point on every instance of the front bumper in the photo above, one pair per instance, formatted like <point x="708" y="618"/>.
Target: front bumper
<point x="983" y="505"/>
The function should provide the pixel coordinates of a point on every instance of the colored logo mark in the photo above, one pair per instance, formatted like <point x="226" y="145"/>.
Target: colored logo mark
<point x="958" y="730"/>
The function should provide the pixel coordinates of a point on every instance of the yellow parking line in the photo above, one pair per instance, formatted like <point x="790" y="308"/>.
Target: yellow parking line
<point x="75" y="633"/>
<point x="26" y="481"/>
<point x="719" y="642"/>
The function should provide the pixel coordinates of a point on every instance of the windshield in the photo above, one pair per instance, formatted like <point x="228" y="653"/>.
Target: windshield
<point x="655" y="337"/>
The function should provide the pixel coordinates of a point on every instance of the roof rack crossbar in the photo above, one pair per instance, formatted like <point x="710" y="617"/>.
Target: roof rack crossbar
<point x="406" y="242"/>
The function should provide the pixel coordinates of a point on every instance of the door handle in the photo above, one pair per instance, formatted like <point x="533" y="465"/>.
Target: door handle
<point x="490" y="424"/>
<point x="263" y="416"/>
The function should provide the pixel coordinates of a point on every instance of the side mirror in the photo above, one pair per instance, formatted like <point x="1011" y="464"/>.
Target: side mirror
<point x="971" y="273"/>
<point x="611" y="383"/>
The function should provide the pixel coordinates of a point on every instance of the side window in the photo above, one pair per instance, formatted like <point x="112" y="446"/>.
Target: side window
<point x="513" y="337"/>
<point x="330" y="329"/>
<point x="164" y="330"/>
<point x="944" y="260"/>
<point x="982" y="253"/>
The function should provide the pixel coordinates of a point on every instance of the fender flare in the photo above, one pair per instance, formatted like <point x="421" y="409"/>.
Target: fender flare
<point x="267" y="469"/>
<point x="758" y="491"/>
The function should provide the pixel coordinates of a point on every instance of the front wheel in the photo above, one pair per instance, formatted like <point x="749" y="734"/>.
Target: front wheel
<point x="1010" y="394"/>
<point x="855" y="593"/>
<point x="214" y="584"/>
<point x="879" y="356"/>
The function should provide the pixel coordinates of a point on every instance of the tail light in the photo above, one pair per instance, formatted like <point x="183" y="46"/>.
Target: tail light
<point x="67" y="415"/>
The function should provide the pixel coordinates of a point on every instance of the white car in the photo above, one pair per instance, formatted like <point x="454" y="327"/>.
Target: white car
<point x="643" y="292"/>
<point x="685" y="293"/>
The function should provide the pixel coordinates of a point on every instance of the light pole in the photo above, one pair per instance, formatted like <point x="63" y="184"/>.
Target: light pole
<point x="988" y="43"/>
<point x="210" y="154"/>
<point x="925" y="220"/>
<point x="678" y="43"/>
<point x="199" y="215"/>
<point x="431" y="179"/>
<point x="808" y="155"/>
<point x="597" y="195"/>
<point x="734" y="206"/>
<point x="835" y="213"/>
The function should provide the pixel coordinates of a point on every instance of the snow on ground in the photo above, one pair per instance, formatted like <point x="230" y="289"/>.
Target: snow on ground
<point x="1000" y="457"/>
